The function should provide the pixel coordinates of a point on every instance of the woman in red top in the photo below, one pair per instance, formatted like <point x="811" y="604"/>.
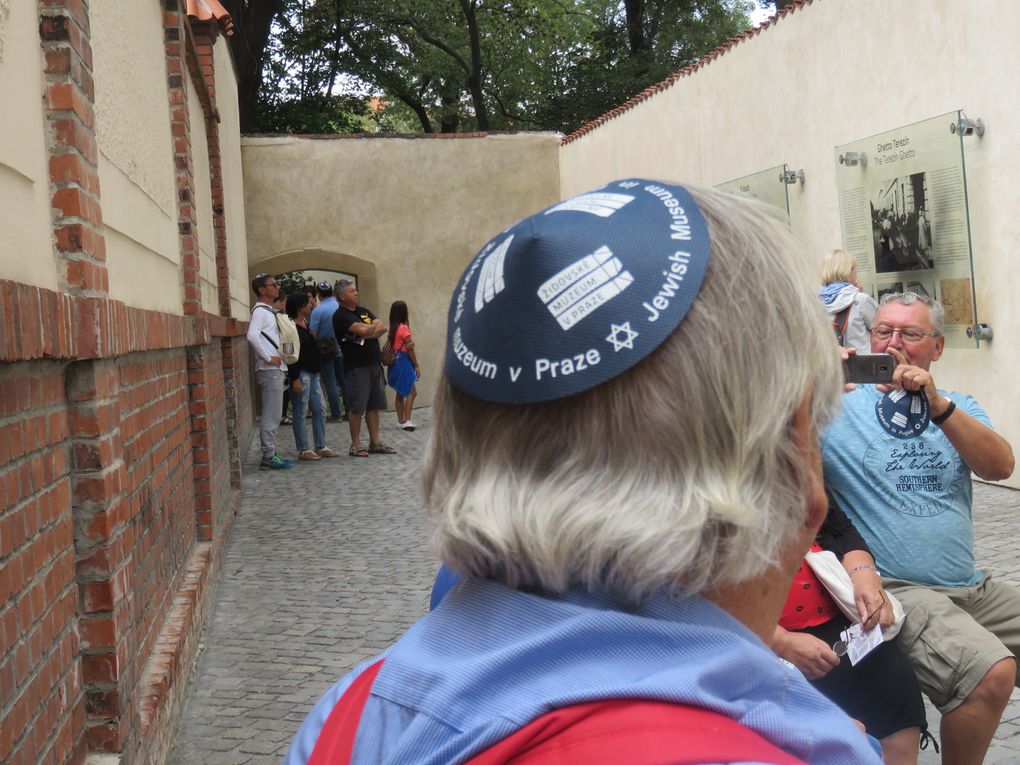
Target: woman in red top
<point x="403" y="373"/>
<point x="881" y="690"/>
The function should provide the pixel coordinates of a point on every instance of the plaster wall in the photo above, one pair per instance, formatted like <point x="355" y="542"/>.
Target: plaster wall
<point x="136" y="171"/>
<point x="26" y="248"/>
<point x="233" y="179"/>
<point x="404" y="215"/>
<point x="203" y="203"/>
<point x="834" y="72"/>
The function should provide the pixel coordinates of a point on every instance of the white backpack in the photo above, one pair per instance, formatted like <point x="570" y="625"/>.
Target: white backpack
<point x="288" y="334"/>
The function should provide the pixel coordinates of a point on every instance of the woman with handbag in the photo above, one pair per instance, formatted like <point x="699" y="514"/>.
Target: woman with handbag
<point x="881" y="690"/>
<point x="403" y="366"/>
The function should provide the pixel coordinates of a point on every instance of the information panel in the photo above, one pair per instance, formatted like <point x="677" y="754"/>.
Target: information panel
<point x="767" y="186"/>
<point x="903" y="211"/>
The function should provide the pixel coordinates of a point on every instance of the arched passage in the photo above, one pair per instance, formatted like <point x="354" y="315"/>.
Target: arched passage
<point x="317" y="258"/>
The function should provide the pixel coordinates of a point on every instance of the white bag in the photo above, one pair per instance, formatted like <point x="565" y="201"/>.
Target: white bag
<point x="836" y="580"/>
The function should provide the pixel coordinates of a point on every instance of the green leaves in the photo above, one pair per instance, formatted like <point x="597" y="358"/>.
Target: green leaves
<point x="463" y="65"/>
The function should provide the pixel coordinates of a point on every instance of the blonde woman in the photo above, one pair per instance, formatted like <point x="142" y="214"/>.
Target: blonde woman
<point x="851" y="310"/>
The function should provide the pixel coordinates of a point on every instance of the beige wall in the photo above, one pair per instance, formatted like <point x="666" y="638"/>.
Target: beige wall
<point x="233" y="179"/>
<point x="26" y="247"/>
<point x="831" y="73"/>
<point x="404" y="215"/>
<point x="203" y="203"/>
<point x="136" y="172"/>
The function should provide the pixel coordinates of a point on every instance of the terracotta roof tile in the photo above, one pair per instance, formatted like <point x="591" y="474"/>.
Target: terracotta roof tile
<point x="685" y="72"/>
<point x="211" y="10"/>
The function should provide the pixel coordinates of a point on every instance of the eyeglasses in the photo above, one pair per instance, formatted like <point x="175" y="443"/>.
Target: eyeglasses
<point x="910" y="334"/>
<point x="840" y="647"/>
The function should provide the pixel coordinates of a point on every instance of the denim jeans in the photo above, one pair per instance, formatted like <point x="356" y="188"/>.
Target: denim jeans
<point x="334" y="381"/>
<point x="309" y="393"/>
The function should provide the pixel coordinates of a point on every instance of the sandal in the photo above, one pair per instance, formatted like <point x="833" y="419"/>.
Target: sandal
<point x="286" y="421"/>
<point x="357" y="451"/>
<point x="308" y="454"/>
<point x="381" y="449"/>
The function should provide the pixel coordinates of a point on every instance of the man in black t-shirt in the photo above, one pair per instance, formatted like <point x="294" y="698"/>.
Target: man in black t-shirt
<point x="358" y="331"/>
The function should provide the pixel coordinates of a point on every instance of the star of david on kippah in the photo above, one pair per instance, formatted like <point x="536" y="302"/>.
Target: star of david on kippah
<point x="627" y="340"/>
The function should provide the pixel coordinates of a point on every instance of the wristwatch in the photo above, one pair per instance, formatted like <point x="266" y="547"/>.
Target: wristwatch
<point x="945" y="415"/>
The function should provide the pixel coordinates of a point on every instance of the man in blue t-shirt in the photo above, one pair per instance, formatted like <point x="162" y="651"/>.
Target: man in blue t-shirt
<point x="321" y="326"/>
<point x="906" y="484"/>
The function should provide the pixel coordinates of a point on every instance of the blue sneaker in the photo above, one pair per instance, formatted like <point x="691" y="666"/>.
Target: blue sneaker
<point x="276" y="462"/>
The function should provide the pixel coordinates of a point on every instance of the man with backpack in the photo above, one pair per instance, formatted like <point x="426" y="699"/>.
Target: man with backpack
<point x="334" y="379"/>
<point x="270" y="368"/>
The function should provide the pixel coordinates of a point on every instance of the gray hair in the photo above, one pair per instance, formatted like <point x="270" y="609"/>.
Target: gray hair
<point x="679" y="473"/>
<point x="936" y="313"/>
<point x="342" y="284"/>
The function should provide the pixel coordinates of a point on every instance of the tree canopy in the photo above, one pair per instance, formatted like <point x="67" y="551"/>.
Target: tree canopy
<point x="330" y="66"/>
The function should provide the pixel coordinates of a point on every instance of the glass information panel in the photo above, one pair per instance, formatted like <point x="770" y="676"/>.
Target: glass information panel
<point x="903" y="211"/>
<point x="767" y="186"/>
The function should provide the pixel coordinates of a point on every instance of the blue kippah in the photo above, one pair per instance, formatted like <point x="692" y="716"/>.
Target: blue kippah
<point x="903" y="413"/>
<point x="576" y="294"/>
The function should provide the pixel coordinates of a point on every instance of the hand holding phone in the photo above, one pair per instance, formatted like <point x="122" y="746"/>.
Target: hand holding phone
<point x="869" y="368"/>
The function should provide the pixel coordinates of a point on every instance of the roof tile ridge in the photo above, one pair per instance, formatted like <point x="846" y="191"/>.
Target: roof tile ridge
<point x="686" y="71"/>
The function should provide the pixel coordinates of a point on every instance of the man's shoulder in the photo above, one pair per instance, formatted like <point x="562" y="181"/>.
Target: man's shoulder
<point x="263" y="313"/>
<point x="327" y="307"/>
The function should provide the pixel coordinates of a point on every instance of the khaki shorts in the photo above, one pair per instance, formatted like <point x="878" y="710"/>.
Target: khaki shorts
<point x="953" y="635"/>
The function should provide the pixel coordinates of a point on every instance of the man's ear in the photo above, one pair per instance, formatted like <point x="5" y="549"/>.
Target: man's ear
<point x="810" y="454"/>
<point x="940" y="345"/>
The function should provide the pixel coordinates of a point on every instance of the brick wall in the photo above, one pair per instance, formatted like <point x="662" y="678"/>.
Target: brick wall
<point x="120" y="447"/>
<point x="42" y="707"/>
<point x="121" y="438"/>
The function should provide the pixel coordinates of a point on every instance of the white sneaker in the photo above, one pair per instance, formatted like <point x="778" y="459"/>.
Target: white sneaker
<point x="407" y="425"/>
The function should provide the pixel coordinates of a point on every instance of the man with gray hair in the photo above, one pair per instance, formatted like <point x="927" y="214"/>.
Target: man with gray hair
<point x="898" y="460"/>
<point x="359" y="331"/>
<point x="618" y="590"/>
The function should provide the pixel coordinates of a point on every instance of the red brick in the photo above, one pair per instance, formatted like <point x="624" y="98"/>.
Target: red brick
<point x="103" y="702"/>
<point x="100" y="668"/>
<point x="67" y="96"/>
<point x="73" y="8"/>
<point x="70" y="133"/>
<point x="97" y="633"/>
<point x="72" y="168"/>
<point x="58" y="61"/>
<point x="97" y="597"/>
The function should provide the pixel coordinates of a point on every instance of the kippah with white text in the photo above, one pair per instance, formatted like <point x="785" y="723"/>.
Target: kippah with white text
<point x="576" y="294"/>
<point x="903" y="413"/>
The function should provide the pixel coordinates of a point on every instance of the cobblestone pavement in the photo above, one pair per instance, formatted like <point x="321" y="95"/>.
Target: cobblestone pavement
<point x="327" y="564"/>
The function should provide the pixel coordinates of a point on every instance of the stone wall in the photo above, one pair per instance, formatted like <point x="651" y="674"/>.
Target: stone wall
<point x="403" y="214"/>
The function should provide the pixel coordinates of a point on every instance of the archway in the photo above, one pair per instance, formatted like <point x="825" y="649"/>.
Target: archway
<point x="317" y="258"/>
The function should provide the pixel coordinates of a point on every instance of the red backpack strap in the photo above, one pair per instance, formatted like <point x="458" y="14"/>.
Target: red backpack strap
<point x="635" y="732"/>
<point x="335" y="743"/>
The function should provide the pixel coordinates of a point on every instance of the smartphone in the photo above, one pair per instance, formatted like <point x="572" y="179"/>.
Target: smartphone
<point x="869" y="368"/>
